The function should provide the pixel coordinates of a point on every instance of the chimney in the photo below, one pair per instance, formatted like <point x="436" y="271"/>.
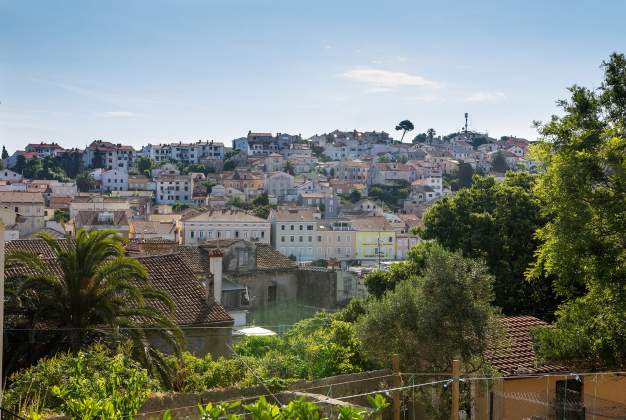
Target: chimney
<point x="215" y="265"/>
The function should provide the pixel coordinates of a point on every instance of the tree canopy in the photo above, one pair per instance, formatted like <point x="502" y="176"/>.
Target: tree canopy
<point x="404" y="126"/>
<point x="497" y="222"/>
<point x="432" y="315"/>
<point x="583" y="188"/>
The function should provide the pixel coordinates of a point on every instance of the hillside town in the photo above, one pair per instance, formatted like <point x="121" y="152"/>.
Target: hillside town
<point x="278" y="210"/>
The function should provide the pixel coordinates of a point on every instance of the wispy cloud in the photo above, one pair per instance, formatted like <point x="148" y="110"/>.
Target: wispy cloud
<point x="116" y="114"/>
<point x="100" y="95"/>
<point x="485" y="97"/>
<point x="379" y="80"/>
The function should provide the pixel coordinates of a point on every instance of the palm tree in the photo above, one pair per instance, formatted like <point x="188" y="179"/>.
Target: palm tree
<point x="404" y="125"/>
<point x="289" y="168"/>
<point x="91" y="292"/>
<point x="431" y="134"/>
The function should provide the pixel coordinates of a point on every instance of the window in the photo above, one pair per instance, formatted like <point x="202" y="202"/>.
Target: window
<point x="309" y="227"/>
<point x="191" y="233"/>
<point x="292" y="227"/>
<point x="282" y="227"/>
<point x="262" y="234"/>
<point x="236" y="234"/>
<point x="242" y="257"/>
<point x="301" y="227"/>
<point x="319" y="238"/>
<point x="310" y="238"/>
<point x="300" y="238"/>
<point x="390" y="239"/>
<point x="282" y="239"/>
<point x="271" y="294"/>
<point x="291" y="239"/>
<point x="201" y="234"/>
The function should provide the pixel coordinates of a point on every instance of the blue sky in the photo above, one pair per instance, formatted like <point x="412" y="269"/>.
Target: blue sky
<point x="155" y="71"/>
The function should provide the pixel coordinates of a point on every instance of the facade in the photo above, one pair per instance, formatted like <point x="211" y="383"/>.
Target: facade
<point x="142" y="229"/>
<point x="44" y="149"/>
<point x="375" y="239"/>
<point x="278" y="184"/>
<point x="98" y="203"/>
<point x="104" y="154"/>
<point x="352" y="170"/>
<point x="173" y="189"/>
<point x="102" y="220"/>
<point x="114" y="180"/>
<point x="391" y="174"/>
<point x="185" y="152"/>
<point x="29" y="206"/>
<point x="10" y="176"/>
<point x="294" y="231"/>
<point x="222" y="224"/>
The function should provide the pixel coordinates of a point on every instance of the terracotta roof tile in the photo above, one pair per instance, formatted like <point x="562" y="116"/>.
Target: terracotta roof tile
<point x="517" y="356"/>
<point x="267" y="258"/>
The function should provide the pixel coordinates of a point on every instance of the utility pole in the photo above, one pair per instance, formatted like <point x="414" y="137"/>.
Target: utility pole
<point x="456" y="373"/>
<point x="379" y="251"/>
<point x="466" y="117"/>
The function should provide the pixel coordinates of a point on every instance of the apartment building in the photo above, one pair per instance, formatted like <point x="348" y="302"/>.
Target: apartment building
<point x="104" y="154"/>
<point x="44" y="149"/>
<point x="29" y="206"/>
<point x="222" y="224"/>
<point x="352" y="170"/>
<point x="173" y="189"/>
<point x="294" y="232"/>
<point x="185" y="152"/>
<point x="375" y="239"/>
<point x="115" y="179"/>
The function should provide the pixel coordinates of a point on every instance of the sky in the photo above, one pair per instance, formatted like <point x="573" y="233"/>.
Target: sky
<point x="154" y="71"/>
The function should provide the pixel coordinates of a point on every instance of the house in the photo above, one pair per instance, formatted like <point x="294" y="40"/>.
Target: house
<point x="265" y="143"/>
<point x="115" y="179"/>
<point x="9" y="219"/>
<point x="174" y="189"/>
<point x="44" y="149"/>
<point x="375" y="239"/>
<point x="102" y="220"/>
<point x="140" y="183"/>
<point x="29" y="206"/>
<point x="141" y="229"/>
<point x="278" y="184"/>
<point x="363" y="207"/>
<point x="245" y="181"/>
<point x="390" y="174"/>
<point x="527" y="388"/>
<point x="273" y="162"/>
<point x="335" y="240"/>
<point x="206" y="325"/>
<point x="104" y="154"/>
<point x="97" y="202"/>
<point x="9" y="175"/>
<point x="294" y="231"/>
<point x="405" y="242"/>
<point x="222" y="224"/>
<point x="352" y="170"/>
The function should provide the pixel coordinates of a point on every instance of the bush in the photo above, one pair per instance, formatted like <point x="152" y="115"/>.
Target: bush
<point x="94" y="381"/>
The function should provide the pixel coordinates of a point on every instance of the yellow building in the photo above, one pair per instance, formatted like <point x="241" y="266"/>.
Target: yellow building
<point x="374" y="239"/>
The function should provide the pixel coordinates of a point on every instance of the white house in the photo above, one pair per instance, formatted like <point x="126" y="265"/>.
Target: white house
<point x="8" y="175"/>
<point x="114" y="180"/>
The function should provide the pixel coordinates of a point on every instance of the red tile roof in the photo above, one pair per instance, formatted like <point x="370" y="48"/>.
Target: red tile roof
<point x="516" y="356"/>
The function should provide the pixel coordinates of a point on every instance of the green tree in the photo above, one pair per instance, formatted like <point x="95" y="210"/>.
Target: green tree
<point x="5" y="154"/>
<point x="404" y="125"/>
<point x="61" y="216"/>
<point x="85" y="182"/>
<point x="97" y="294"/>
<point x="230" y="165"/>
<point x="355" y="196"/>
<point x="497" y="222"/>
<point x="420" y="138"/>
<point x="261" y="200"/>
<point x="20" y="164"/>
<point x="144" y="165"/>
<point x="583" y="188"/>
<point x="289" y="168"/>
<point x="498" y="164"/>
<point x="431" y="133"/>
<point x="434" y="316"/>
<point x="464" y="175"/>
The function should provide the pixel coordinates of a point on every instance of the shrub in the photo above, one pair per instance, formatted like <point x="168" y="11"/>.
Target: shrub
<point x="91" y="381"/>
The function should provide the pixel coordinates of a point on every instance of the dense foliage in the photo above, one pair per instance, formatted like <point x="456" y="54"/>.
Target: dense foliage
<point x="433" y="316"/>
<point x="497" y="221"/>
<point x="583" y="245"/>
<point x="95" y="381"/>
